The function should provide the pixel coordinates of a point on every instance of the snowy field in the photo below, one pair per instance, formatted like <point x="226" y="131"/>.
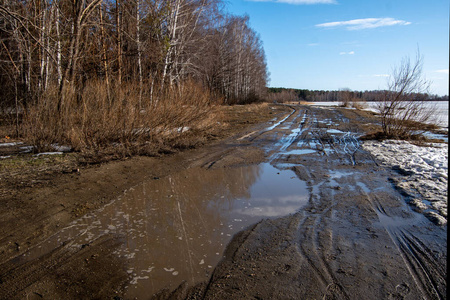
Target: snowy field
<point x="440" y="109"/>
<point x="424" y="170"/>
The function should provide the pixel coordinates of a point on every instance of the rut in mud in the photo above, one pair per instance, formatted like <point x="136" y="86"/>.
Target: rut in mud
<point x="345" y="233"/>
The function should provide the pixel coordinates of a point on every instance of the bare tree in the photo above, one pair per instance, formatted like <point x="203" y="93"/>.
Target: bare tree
<point x="403" y="114"/>
<point x="345" y="97"/>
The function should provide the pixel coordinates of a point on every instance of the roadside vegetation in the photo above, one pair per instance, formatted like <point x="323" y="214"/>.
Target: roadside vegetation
<point x="401" y="115"/>
<point x="120" y="121"/>
<point x="348" y="99"/>
<point x="123" y="76"/>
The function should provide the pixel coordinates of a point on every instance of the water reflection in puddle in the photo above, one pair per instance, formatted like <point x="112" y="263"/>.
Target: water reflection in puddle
<point x="334" y="131"/>
<point x="300" y="151"/>
<point x="176" y="228"/>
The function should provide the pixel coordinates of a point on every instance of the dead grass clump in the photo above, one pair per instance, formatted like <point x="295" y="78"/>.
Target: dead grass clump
<point x="118" y="121"/>
<point x="418" y="139"/>
<point x="359" y="104"/>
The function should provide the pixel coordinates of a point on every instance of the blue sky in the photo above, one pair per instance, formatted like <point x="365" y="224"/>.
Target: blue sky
<point x="334" y="44"/>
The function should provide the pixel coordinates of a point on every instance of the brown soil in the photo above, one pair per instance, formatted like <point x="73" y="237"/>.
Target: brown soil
<point x="356" y="238"/>
<point x="42" y="194"/>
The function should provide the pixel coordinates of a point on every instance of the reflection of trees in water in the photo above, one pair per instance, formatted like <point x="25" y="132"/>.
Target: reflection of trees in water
<point x="200" y="193"/>
<point x="176" y="222"/>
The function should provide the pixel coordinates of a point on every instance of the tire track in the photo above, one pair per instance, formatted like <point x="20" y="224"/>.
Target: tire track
<point x="309" y="240"/>
<point x="40" y="224"/>
<point x="315" y="256"/>
<point x="416" y="256"/>
<point x="271" y="128"/>
<point x="208" y="160"/>
<point x="18" y="278"/>
<point x="419" y="263"/>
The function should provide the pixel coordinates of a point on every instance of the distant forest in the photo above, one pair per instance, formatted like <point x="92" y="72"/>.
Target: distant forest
<point x="286" y="94"/>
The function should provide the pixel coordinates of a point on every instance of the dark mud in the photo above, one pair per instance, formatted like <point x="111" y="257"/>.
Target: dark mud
<point x="351" y="237"/>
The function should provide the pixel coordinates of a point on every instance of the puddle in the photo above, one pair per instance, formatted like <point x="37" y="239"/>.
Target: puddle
<point x="285" y="142"/>
<point x="364" y="187"/>
<point x="341" y="173"/>
<point x="279" y="122"/>
<point x="408" y="218"/>
<point x="397" y="221"/>
<point x="176" y="228"/>
<point x="334" y="131"/>
<point x="440" y="136"/>
<point x="300" y="152"/>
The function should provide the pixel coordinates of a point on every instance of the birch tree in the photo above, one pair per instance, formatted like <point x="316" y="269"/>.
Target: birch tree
<point x="64" y="43"/>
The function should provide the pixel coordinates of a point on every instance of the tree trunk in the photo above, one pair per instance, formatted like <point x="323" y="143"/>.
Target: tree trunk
<point x="58" y="46"/>
<point x="104" y="55"/>
<point x="139" y="49"/>
<point x="119" y="41"/>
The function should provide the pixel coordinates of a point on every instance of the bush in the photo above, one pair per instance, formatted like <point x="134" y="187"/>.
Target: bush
<point x="401" y="114"/>
<point x="118" y="121"/>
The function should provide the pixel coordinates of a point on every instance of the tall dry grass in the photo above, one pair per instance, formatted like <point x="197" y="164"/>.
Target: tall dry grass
<point x="120" y="121"/>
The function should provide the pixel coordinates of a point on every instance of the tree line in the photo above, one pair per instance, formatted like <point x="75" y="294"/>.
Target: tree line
<point x="286" y="94"/>
<point x="155" y="44"/>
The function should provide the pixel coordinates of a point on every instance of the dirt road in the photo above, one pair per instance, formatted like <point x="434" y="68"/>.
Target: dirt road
<point x="354" y="238"/>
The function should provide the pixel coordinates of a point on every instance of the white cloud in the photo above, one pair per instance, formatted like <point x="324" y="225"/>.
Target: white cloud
<point x="359" y="24"/>
<point x="313" y="44"/>
<point x="444" y="71"/>
<point x="299" y="2"/>
<point x="347" y="53"/>
<point x="307" y="1"/>
<point x="381" y="75"/>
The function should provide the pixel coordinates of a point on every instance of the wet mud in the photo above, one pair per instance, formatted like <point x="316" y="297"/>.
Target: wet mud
<point x="292" y="209"/>
<point x="356" y="238"/>
<point x="176" y="228"/>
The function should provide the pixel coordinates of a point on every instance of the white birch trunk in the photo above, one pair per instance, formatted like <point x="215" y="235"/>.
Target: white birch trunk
<point x="42" y="39"/>
<point x="58" y="46"/>
<point x="139" y="46"/>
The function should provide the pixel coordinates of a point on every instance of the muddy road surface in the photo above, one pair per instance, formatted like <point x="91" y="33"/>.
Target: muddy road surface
<point x="290" y="209"/>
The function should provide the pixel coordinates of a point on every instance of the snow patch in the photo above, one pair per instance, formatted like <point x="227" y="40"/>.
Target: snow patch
<point x="49" y="153"/>
<point x="424" y="170"/>
<point x="12" y="144"/>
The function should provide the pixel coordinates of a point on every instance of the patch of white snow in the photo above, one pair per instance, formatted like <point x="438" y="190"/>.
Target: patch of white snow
<point x="10" y="144"/>
<point x="49" y="153"/>
<point x="425" y="171"/>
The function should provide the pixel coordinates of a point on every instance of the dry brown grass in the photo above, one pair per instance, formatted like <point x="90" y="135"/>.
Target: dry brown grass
<point x="117" y="121"/>
<point x="360" y="104"/>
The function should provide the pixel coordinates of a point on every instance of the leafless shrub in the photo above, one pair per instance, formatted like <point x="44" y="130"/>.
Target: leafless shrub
<point x="119" y="121"/>
<point x="401" y="114"/>
<point x="359" y="104"/>
<point x="283" y="96"/>
<point x="347" y="98"/>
